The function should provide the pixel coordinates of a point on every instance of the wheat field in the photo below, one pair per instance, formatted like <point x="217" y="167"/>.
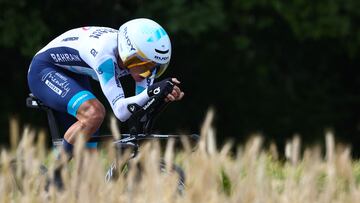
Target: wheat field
<point x="245" y="173"/>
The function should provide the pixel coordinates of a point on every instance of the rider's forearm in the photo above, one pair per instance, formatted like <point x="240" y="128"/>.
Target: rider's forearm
<point x="114" y="92"/>
<point x="120" y="108"/>
<point x="160" y="90"/>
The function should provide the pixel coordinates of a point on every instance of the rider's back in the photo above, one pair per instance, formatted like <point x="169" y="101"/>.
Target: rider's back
<point x="81" y="50"/>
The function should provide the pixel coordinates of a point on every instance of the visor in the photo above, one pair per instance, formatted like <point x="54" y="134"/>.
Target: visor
<point x="147" y="66"/>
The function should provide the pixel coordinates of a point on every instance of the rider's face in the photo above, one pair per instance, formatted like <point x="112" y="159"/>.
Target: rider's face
<point x="138" y="68"/>
<point x="141" y="72"/>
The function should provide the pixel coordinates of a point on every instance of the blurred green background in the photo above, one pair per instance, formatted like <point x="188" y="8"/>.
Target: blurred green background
<point x="270" y="66"/>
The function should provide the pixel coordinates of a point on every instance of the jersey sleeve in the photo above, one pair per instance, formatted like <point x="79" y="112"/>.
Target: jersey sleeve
<point x="114" y="92"/>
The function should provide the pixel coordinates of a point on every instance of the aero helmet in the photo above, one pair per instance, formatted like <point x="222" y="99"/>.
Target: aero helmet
<point x="145" y="41"/>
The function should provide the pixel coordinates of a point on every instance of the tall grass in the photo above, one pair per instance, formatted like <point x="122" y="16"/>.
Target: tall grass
<point x="213" y="174"/>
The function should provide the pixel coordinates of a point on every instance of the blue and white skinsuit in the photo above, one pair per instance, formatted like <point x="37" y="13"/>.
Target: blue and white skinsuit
<point x="59" y="74"/>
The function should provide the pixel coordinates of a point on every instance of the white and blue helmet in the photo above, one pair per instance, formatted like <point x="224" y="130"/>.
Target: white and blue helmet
<point x="147" y="40"/>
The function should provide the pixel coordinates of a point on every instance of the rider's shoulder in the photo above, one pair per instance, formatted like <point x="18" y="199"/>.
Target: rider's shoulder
<point x="94" y="34"/>
<point x="93" y="40"/>
<point x="92" y="43"/>
<point x="84" y="35"/>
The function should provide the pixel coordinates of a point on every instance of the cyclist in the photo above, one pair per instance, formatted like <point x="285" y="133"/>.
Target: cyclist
<point x="59" y="74"/>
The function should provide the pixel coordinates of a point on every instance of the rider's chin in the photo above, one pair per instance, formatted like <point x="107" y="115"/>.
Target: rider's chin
<point x="138" y="78"/>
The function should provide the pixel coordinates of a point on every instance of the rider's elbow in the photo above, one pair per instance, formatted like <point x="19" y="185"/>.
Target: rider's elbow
<point x="122" y="113"/>
<point x="121" y="117"/>
<point x="120" y="107"/>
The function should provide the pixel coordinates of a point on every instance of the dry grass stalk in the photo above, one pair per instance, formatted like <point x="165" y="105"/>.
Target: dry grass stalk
<point x="114" y="127"/>
<point x="14" y="133"/>
<point x="296" y="149"/>
<point x="205" y="129"/>
<point x="213" y="175"/>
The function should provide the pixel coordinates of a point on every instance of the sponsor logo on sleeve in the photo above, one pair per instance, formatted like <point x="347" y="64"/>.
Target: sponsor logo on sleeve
<point x="93" y="52"/>
<point x="132" y="108"/>
<point x="117" y="98"/>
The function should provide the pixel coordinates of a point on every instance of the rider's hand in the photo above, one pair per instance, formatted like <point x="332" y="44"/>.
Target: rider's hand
<point x="167" y="88"/>
<point x="176" y="93"/>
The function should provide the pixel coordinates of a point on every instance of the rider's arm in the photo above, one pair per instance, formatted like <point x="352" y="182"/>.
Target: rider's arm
<point x="114" y="92"/>
<point x="100" y="55"/>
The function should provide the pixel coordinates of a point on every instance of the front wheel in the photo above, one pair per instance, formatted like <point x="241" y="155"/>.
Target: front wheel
<point x="179" y="171"/>
<point x="163" y="169"/>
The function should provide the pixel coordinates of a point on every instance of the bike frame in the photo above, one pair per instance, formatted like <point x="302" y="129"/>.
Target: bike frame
<point x="140" y="125"/>
<point x="133" y="137"/>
